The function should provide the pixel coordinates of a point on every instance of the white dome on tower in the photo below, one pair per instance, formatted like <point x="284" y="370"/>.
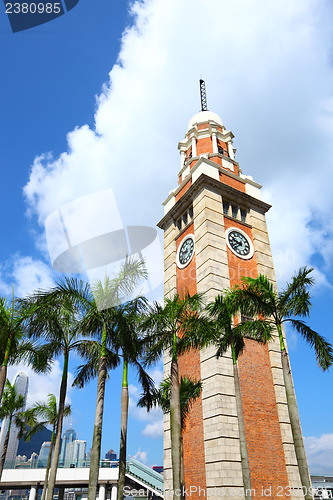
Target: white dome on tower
<point x="204" y="117"/>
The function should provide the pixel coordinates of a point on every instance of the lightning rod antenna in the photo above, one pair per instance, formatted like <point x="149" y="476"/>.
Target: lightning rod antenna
<point x="203" y="95"/>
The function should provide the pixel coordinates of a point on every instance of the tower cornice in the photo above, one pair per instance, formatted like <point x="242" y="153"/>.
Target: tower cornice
<point x="203" y="181"/>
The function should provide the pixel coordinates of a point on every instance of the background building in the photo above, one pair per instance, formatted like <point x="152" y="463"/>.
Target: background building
<point x="75" y="453"/>
<point x="68" y="437"/>
<point x="44" y="454"/>
<point x="323" y="486"/>
<point x="21" y="384"/>
<point x="111" y="455"/>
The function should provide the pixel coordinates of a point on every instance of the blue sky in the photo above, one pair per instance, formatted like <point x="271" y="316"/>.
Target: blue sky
<point x="100" y="97"/>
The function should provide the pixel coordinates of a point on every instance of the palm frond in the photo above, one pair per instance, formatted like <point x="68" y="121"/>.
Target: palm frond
<point x="295" y="299"/>
<point x="33" y="429"/>
<point x="323" y="349"/>
<point x="117" y="290"/>
<point x="256" y="297"/>
<point x="146" y="383"/>
<point x="190" y="390"/>
<point x="11" y="403"/>
<point x="90" y="350"/>
<point x="258" y="329"/>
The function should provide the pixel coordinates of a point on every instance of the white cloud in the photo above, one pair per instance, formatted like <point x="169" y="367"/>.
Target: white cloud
<point x="5" y="288"/>
<point x="154" y="417"/>
<point x="141" y="456"/>
<point x="268" y="72"/>
<point x="133" y="390"/>
<point x="26" y="274"/>
<point x="31" y="275"/>
<point x="141" y="413"/>
<point x="156" y="374"/>
<point x="320" y="454"/>
<point x="154" y="430"/>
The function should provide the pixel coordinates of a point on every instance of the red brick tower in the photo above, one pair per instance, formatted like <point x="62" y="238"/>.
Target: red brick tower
<point x="213" y="204"/>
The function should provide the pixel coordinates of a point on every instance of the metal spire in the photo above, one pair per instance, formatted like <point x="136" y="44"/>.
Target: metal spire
<point x="203" y="95"/>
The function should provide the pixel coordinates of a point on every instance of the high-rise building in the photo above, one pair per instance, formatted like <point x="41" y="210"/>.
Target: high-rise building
<point x="33" y="459"/>
<point x="44" y="454"/>
<point x="75" y="452"/>
<point x="111" y="455"/>
<point x="214" y="233"/>
<point x="68" y="437"/>
<point x="88" y="455"/>
<point x="21" y="383"/>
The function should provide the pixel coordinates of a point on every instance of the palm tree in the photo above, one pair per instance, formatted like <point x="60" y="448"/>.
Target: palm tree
<point x="49" y="413"/>
<point x="258" y="296"/>
<point x="227" y="335"/>
<point x="53" y="317"/>
<point x="122" y="339"/>
<point x="14" y="347"/>
<point x="175" y="328"/>
<point x="131" y="344"/>
<point x="98" y="314"/>
<point x="11" y="407"/>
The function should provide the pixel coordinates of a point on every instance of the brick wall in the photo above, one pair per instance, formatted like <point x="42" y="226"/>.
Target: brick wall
<point x="184" y="189"/>
<point x="232" y="182"/>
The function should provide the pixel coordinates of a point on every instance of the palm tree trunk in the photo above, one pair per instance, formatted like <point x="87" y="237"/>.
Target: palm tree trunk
<point x="3" y="371"/>
<point x="55" y="458"/>
<point x="3" y="377"/>
<point x="123" y="432"/>
<point x="96" y="446"/>
<point x="295" y="421"/>
<point x="241" y="429"/>
<point x="182" y="469"/>
<point x="46" y="480"/>
<point x="4" y="450"/>
<point x="175" y="429"/>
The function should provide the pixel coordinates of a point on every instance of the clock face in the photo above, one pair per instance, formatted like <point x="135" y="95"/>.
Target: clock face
<point x="185" y="251"/>
<point x="239" y="243"/>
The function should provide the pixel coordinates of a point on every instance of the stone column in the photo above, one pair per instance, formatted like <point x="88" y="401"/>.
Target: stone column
<point x="101" y="493"/>
<point x="114" y="490"/>
<point x="170" y="288"/>
<point x="182" y="159"/>
<point x="33" y="493"/>
<point x="194" y="147"/>
<point x="215" y="150"/>
<point x="231" y="150"/>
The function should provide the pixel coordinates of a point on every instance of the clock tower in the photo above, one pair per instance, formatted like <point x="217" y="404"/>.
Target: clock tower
<point x="214" y="233"/>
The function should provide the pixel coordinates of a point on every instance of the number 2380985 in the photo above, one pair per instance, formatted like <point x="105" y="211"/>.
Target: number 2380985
<point x="33" y="8"/>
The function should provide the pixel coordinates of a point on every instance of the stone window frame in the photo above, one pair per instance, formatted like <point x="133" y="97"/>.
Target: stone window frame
<point x="241" y="212"/>
<point x="184" y="220"/>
